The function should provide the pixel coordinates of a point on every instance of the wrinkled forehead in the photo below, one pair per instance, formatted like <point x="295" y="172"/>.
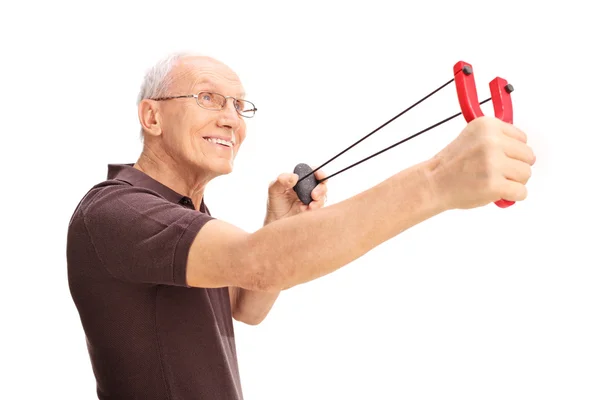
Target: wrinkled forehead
<point x="205" y="74"/>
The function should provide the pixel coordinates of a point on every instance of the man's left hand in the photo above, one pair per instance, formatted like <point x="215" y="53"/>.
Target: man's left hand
<point x="283" y="201"/>
<point x="250" y="306"/>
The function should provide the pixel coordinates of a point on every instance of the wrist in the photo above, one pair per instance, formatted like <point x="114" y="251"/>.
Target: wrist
<point x="434" y="192"/>
<point x="269" y="218"/>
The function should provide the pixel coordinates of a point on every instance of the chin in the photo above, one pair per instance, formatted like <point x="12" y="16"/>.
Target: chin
<point x="221" y="167"/>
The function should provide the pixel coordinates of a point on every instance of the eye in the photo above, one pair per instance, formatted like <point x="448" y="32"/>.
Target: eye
<point x="210" y="100"/>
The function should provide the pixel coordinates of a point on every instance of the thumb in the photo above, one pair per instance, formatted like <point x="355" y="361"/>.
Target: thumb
<point x="284" y="181"/>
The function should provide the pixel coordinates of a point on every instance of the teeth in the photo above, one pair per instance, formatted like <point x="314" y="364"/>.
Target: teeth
<point x="220" y="141"/>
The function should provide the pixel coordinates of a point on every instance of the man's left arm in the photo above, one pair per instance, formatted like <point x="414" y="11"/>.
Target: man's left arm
<point x="250" y="306"/>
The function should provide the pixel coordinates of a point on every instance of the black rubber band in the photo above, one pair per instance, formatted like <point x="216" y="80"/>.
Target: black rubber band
<point x="398" y="143"/>
<point x="360" y="140"/>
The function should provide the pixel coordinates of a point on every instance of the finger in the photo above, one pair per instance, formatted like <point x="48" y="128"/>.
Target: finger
<point x="315" y="205"/>
<point x="303" y="207"/>
<point x="288" y="180"/>
<point x="512" y="191"/>
<point x="319" y="174"/>
<point x="517" y="171"/>
<point x="319" y="191"/>
<point x="283" y="183"/>
<point x="519" y="151"/>
<point x="512" y="131"/>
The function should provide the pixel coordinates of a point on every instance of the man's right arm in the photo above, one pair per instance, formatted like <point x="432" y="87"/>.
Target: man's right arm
<point x="488" y="161"/>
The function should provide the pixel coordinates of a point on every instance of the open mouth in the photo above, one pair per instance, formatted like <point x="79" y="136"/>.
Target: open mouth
<point x="220" y="142"/>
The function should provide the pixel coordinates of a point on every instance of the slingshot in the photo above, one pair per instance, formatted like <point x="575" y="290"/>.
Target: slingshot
<point x="466" y="90"/>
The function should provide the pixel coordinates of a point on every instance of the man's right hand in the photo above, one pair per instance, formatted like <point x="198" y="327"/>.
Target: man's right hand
<point x="490" y="160"/>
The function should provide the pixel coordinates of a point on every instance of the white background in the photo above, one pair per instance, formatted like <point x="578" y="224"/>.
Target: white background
<point x="482" y="304"/>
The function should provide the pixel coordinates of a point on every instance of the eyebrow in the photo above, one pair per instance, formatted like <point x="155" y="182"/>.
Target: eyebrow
<point x="212" y="86"/>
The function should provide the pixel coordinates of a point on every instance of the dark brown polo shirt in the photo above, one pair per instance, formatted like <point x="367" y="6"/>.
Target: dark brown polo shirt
<point x="149" y="335"/>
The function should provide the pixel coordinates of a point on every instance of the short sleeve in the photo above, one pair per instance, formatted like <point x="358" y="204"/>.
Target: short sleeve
<point x="139" y="236"/>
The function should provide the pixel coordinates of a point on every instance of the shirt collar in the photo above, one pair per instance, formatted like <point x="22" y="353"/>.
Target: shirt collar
<point x="135" y="177"/>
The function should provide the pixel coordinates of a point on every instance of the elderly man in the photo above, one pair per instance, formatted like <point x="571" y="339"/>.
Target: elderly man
<point x="157" y="280"/>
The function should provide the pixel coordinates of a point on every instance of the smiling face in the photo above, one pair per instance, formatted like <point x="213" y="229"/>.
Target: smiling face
<point x="200" y="140"/>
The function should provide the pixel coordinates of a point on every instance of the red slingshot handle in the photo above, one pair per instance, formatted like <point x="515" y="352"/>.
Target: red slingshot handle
<point x="466" y="90"/>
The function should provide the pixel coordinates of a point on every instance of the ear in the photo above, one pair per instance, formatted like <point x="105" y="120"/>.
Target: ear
<point x="149" y="117"/>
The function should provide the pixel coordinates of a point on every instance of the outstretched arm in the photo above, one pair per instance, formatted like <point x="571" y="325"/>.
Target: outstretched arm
<point x="488" y="161"/>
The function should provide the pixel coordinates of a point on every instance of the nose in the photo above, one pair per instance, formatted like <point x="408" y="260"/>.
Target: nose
<point x="228" y="116"/>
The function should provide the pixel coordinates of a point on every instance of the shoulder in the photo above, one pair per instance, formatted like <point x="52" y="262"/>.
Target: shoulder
<point x="118" y="205"/>
<point x="116" y="217"/>
<point x="130" y="228"/>
<point x="107" y="195"/>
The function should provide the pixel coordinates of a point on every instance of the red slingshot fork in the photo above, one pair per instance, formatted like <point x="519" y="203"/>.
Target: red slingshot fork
<point x="469" y="103"/>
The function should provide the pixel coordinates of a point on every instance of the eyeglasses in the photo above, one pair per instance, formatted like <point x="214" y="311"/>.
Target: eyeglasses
<point x="216" y="102"/>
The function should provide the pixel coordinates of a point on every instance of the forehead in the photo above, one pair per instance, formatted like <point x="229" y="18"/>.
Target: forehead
<point x="204" y="73"/>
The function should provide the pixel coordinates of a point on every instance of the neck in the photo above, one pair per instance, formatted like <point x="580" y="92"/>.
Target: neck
<point x="175" y="177"/>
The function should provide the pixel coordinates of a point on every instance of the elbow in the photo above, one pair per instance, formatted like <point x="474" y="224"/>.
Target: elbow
<point x="263" y="277"/>
<point x="265" y="271"/>
<point x="247" y="318"/>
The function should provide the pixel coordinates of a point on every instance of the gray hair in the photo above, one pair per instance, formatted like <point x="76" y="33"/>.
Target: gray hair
<point x="158" y="78"/>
